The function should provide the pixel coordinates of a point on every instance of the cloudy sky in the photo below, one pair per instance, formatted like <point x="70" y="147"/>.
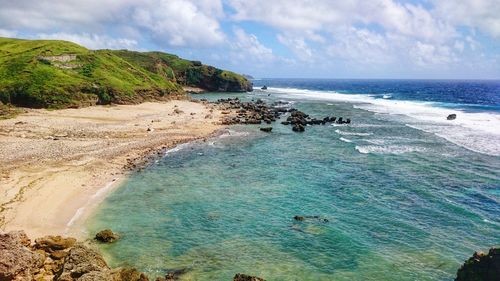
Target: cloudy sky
<point x="282" y="38"/>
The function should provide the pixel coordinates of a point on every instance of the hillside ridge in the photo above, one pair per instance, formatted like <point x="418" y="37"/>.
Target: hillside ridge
<point x="62" y="74"/>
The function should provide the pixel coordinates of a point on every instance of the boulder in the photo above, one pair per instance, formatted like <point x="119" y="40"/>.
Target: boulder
<point x="451" y="117"/>
<point x="481" y="267"/>
<point x="298" y="128"/>
<point x="106" y="236"/>
<point x="266" y="129"/>
<point x="54" y="243"/>
<point x="82" y="260"/>
<point x="299" y="218"/>
<point x="17" y="262"/>
<point x="244" y="277"/>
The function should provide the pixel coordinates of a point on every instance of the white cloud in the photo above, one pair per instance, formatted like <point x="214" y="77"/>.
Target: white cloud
<point x="427" y="54"/>
<point x="247" y="47"/>
<point x="298" y="46"/>
<point x="92" y="41"/>
<point x="179" y="23"/>
<point x="481" y="14"/>
<point x="7" y="33"/>
<point x="362" y="46"/>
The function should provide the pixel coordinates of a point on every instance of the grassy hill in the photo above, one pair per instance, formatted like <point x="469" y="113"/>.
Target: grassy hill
<point x="60" y="74"/>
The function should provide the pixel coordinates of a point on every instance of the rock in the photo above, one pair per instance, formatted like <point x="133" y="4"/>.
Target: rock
<point x="244" y="277"/>
<point x="481" y="267"/>
<point x="97" y="276"/>
<point x="175" y="274"/>
<point x="17" y="262"/>
<point x="266" y="129"/>
<point x="286" y="123"/>
<point x="54" y="243"/>
<point x="82" y="260"/>
<point x="298" y="128"/>
<point x="178" y="111"/>
<point x="129" y="274"/>
<point x="264" y="87"/>
<point x="451" y="117"/>
<point x="58" y="254"/>
<point x="106" y="236"/>
<point x="299" y="218"/>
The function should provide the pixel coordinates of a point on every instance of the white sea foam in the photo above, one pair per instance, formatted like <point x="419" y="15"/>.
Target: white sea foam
<point x="232" y="133"/>
<point x="387" y="149"/>
<point x="476" y="131"/>
<point x="387" y="96"/>
<point x="345" y="140"/>
<point x="176" y="148"/>
<point x="345" y="133"/>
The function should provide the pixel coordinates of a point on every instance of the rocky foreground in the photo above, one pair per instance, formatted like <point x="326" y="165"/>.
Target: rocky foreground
<point x="64" y="259"/>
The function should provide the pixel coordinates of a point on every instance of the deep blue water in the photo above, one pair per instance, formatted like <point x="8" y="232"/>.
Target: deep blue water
<point x="407" y="194"/>
<point x="469" y="94"/>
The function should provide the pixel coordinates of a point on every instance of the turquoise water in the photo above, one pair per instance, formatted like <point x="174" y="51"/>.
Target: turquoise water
<point x="402" y="203"/>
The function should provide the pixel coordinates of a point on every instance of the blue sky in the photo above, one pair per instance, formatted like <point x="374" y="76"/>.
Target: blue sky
<point x="282" y="38"/>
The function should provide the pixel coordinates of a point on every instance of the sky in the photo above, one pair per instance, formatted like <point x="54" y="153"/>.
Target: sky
<point x="417" y="39"/>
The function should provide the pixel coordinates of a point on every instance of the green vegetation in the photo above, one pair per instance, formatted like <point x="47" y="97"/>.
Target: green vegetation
<point x="59" y="74"/>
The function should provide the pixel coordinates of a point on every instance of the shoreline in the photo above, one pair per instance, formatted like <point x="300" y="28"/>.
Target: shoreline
<point x="58" y="166"/>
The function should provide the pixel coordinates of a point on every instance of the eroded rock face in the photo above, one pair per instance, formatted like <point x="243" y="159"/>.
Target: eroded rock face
<point x="82" y="260"/>
<point x="56" y="258"/>
<point x="481" y="267"/>
<point x="54" y="243"/>
<point x="17" y="262"/>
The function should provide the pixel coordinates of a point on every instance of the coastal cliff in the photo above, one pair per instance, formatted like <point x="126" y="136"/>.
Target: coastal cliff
<point x="60" y="74"/>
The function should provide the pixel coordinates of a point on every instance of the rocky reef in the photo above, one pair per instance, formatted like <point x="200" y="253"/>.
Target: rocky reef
<point x="481" y="267"/>
<point x="56" y="258"/>
<point x="258" y="112"/>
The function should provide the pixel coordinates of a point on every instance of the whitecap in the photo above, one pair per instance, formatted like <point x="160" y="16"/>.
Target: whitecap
<point x="476" y="131"/>
<point x="345" y="133"/>
<point x="388" y="149"/>
<point x="345" y="140"/>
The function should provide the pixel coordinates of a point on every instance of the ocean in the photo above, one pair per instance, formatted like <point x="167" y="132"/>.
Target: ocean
<point x="401" y="193"/>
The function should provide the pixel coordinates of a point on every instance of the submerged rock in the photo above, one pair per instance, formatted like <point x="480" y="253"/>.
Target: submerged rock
<point x="266" y="129"/>
<point x="244" y="277"/>
<point x="106" y="236"/>
<point x="481" y="267"/>
<point x="451" y="117"/>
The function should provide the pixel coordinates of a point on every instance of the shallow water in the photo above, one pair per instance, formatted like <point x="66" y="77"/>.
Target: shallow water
<point x="401" y="203"/>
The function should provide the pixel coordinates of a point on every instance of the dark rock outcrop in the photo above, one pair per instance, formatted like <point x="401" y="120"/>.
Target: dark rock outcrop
<point x="481" y="267"/>
<point x="17" y="262"/>
<point x="244" y="277"/>
<point x="451" y="117"/>
<point x="266" y="129"/>
<point x="106" y="236"/>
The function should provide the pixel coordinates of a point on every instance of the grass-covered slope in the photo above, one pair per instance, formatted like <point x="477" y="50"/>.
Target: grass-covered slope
<point x="59" y="74"/>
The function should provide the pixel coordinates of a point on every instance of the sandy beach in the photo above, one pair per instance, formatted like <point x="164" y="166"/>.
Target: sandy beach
<point x="56" y="166"/>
